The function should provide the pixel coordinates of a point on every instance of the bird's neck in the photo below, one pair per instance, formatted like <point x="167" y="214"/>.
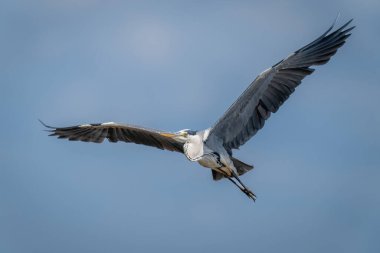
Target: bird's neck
<point x="194" y="148"/>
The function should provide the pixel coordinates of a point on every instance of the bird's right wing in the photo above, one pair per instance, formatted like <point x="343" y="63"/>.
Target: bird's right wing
<point x="272" y="87"/>
<point x="118" y="132"/>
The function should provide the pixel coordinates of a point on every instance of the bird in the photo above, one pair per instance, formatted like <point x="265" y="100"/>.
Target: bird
<point x="213" y="147"/>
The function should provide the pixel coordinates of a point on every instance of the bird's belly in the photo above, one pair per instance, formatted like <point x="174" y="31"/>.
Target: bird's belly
<point x="210" y="161"/>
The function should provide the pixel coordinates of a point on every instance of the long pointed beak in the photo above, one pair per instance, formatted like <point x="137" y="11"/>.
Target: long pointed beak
<point x="171" y="135"/>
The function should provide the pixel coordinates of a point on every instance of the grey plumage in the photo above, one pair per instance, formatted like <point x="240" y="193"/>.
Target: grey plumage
<point x="212" y="147"/>
<point x="272" y="87"/>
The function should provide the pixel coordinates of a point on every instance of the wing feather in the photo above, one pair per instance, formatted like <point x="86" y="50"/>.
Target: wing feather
<point x="272" y="88"/>
<point x="117" y="132"/>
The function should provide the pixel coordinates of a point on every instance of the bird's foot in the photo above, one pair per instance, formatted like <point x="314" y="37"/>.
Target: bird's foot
<point x="250" y="194"/>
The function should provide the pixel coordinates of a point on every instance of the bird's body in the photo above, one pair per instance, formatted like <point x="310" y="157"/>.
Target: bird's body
<point x="212" y="147"/>
<point x="214" y="156"/>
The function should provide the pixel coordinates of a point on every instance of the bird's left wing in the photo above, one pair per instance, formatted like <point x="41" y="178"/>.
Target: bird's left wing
<point x="272" y="87"/>
<point x="115" y="132"/>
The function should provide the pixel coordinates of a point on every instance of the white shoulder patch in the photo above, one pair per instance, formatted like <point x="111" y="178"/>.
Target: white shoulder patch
<point x="108" y="123"/>
<point x="85" y="125"/>
<point x="206" y="133"/>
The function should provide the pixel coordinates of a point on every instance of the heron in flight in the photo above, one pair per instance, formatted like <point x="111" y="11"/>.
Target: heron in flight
<point x="212" y="147"/>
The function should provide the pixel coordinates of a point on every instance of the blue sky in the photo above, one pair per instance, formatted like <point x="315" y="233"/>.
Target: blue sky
<point x="173" y="65"/>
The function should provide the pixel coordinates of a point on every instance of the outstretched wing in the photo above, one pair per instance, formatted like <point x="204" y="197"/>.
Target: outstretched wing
<point x="117" y="132"/>
<point x="272" y="87"/>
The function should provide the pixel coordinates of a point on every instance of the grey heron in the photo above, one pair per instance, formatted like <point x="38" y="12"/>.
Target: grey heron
<point x="212" y="147"/>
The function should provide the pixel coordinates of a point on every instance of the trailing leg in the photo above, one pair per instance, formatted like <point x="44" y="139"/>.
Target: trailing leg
<point x="244" y="188"/>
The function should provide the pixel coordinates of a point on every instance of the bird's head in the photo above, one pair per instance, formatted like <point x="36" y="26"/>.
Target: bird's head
<point x="185" y="133"/>
<point x="182" y="135"/>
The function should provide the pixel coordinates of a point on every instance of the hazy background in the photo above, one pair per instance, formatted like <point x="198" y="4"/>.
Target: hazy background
<point x="174" y="65"/>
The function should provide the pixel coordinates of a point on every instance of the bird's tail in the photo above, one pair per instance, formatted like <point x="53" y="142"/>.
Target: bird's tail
<point x="240" y="166"/>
